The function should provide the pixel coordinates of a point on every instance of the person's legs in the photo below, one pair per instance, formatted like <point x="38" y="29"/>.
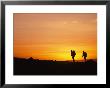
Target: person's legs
<point x="73" y="59"/>
<point x="85" y="59"/>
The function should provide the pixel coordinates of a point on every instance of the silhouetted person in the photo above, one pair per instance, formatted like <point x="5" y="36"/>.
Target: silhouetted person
<point x="84" y="55"/>
<point x="73" y="54"/>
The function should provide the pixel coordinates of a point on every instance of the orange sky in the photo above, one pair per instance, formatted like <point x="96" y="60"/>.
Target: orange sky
<point x="52" y="35"/>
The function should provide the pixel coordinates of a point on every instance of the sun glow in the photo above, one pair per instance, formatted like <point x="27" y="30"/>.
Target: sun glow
<point x="53" y="36"/>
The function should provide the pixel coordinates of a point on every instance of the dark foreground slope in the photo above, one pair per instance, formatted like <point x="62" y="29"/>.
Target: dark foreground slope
<point x="38" y="67"/>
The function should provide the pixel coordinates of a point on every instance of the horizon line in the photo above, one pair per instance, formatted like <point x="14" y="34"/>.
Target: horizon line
<point x="53" y="59"/>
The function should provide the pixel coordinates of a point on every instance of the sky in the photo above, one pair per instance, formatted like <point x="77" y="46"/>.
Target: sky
<point x="51" y="36"/>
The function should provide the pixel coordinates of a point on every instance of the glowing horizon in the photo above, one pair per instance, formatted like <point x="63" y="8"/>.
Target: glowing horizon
<point x="51" y="36"/>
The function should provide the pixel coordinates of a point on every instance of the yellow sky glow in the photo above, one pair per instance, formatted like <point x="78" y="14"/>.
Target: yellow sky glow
<point x="51" y="36"/>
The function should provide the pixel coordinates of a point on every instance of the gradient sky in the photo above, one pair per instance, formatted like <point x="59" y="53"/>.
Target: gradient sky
<point x="51" y="36"/>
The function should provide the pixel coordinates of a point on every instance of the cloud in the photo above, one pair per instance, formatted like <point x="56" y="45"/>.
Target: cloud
<point x="74" y="22"/>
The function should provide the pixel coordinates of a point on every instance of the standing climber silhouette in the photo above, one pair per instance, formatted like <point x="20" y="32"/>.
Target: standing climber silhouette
<point x="73" y="54"/>
<point x="84" y="55"/>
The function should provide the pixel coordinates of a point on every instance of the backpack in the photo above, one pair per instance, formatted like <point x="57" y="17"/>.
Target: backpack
<point x="85" y="54"/>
